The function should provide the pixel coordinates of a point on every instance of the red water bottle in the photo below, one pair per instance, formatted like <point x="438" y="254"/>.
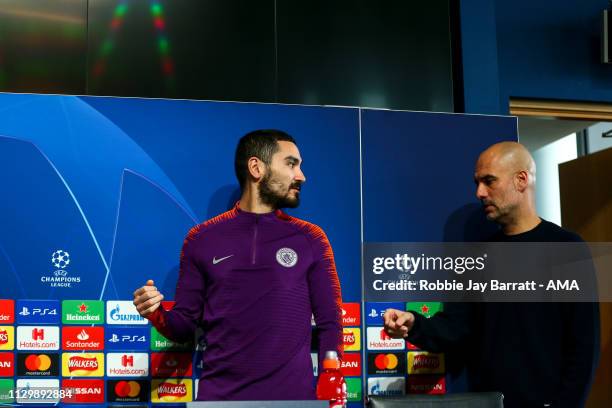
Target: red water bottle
<point x="331" y="385"/>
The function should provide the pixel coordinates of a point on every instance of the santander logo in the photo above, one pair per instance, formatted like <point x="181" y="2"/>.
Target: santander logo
<point x="83" y="335"/>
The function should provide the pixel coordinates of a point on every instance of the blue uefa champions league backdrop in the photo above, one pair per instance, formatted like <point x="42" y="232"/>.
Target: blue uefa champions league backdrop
<point x="98" y="194"/>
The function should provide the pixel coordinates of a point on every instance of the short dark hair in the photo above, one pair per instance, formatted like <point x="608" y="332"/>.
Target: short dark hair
<point x="262" y="143"/>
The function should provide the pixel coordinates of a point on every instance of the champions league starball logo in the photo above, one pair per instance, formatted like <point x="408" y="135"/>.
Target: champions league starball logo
<point x="60" y="259"/>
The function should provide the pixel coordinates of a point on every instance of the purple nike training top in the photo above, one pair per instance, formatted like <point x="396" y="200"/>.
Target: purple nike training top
<point x="253" y="281"/>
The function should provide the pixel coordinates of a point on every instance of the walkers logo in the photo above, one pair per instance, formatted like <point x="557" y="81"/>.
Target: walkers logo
<point x="126" y="338"/>
<point x="353" y="389"/>
<point x="83" y="391"/>
<point x="123" y="312"/>
<point x="171" y="365"/>
<point x="127" y="391"/>
<point x="127" y="364"/>
<point x="351" y="339"/>
<point x="7" y="391"/>
<point x="38" y="311"/>
<point x="422" y="362"/>
<point x="374" y="311"/>
<point x="387" y="386"/>
<point x="38" y="338"/>
<point x="427" y="309"/>
<point x="350" y="366"/>
<point x="82" y="338"/>
<point x="161" y="343"/>
<point x="426" y="384"/>
<point x="82" y="312"/>
<point x="379" y="340"/>
<point x="351" y="314"/>
<point x="82" y="365"/>
<point x="7" y="337"/>
<point x="179" y="390"/>
<point x="7" y="311"/>
<point x="38" y="365"/>
<point x="7" y="364"/>
<point x="26" y="391"/>
<point x="386" y="363"/>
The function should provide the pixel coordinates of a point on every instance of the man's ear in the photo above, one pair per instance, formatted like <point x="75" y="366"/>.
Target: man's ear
<point x="256" y="167"/>
<point x="521" y="180"/>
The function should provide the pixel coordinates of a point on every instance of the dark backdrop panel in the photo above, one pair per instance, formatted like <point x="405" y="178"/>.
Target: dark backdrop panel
<point x="201" y="49"/>
<point x="364" y="53"/>
<point x="43" y="45"/>
<point x="418" y="174"/>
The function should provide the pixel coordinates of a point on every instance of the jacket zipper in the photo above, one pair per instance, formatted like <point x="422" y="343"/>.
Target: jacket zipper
<point x="255" y="239"/>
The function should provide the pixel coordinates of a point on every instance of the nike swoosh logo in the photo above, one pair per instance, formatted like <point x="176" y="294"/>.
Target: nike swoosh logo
<point x="216" y="261"/>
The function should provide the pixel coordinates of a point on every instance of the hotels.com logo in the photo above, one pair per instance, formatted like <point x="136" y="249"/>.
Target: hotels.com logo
<point x="127" y="361"/>
<point x="166" y="389"/>
<point x="38" y="334"/>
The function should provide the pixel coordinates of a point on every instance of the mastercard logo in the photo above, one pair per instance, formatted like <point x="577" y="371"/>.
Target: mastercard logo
<point x="386" y="361"/>
<point x="40" y="362"/>
<point x="127" y="389"/>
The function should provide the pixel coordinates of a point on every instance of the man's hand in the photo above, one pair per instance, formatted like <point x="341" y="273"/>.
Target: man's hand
<point x="398" y="323"/>
<point x="147" y="299"/>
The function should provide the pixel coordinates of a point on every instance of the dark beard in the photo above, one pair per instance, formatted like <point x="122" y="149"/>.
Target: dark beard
<point x="274" y="199"/>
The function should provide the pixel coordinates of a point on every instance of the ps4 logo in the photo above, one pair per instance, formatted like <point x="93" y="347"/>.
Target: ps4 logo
<point x="127" y="339"/>
<point x="37" y="311"/>
<point x="373" y="313"/>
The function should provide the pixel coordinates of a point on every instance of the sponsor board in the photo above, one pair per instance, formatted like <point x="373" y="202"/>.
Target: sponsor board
<point x="38" y="338"/>
<point x="82" y="364"/>
<point x="7" y="337"/>
<point x="350" y="366"/>
<point x="82" y="312"/>
<point x="351" y="314"/>
<point x="387" y="386"/>
<point x="386" y="363"/>
<point x="123" y="312"/>
<point x="171" y="390"/>
<point x="83" y="391"/>
<point x="37" y="391"/>
<point x="353" y="389"/>
<point x="379" y="340"/>
<point x="7" y="311"/>
<point x="7" y="364"/>
<point x="126" y="338"/>
<point x="38" y="364"/>
<point x="374" y="311"/>
<point x="426" y="384"/>
<point x="351" y="339"/>
<point x="315" y="363"/>
<point x="161" y="343"/>
<point x="127" y="391"/>
<point x="82" y="338"/>
<point x="7" y="390"/>
<point x="422" y="362"/>
<point x="37" y="311"/>
<point x="171" y="365"/>
<point x="127" y="364"/>
<point x="427" y="309"/>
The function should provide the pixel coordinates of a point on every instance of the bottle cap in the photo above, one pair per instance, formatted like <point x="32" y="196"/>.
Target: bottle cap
<point x="331" y="360"/>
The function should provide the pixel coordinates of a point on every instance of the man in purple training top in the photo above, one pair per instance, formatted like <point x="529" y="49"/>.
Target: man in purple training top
<point x="252" y="277"/>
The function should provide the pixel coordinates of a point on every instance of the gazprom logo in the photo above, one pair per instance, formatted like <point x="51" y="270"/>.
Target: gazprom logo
<point x="123" y="312"/>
